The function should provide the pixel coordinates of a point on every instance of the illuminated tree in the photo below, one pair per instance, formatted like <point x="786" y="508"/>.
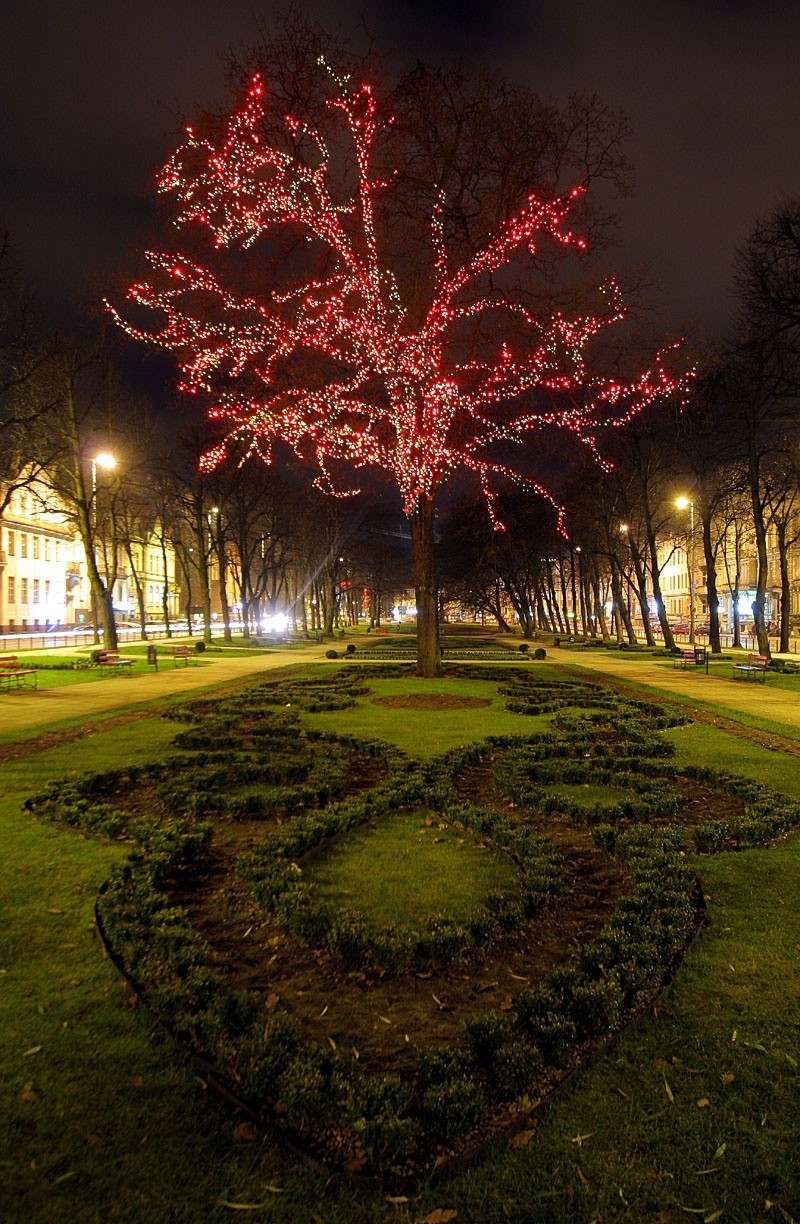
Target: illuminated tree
<point x="315" y="334"/>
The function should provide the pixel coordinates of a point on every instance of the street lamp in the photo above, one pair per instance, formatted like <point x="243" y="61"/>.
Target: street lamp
<point x="684" y="503"/>
<point x="108" y="463"/>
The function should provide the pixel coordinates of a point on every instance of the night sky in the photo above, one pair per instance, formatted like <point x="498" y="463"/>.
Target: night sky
<point x="91" y="95"/>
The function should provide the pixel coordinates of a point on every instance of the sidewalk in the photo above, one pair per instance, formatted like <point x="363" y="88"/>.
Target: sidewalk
<point x="738" y="696"/>
<point x="26" y="709"/>
<point x="36" y="709"/>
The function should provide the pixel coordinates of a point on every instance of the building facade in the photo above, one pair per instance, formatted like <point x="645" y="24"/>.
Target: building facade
<point x="43" y="571"/>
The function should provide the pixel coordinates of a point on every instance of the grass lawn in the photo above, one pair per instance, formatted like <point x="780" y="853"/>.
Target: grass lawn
<point x="387" y="871"/>
<point x="419" y="733"/>
<point x="692" y="1115"/>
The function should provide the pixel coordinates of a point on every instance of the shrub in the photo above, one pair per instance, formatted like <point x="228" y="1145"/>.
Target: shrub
<point x="524" y="648"/>
<point x="309" y="1088"/>
<point x="452" y="1107"/>
<point x="540" y="653"/>
<point x="487" y="1032"/>
<point x="331" y="654"/>
<point x="378" y="1114"/>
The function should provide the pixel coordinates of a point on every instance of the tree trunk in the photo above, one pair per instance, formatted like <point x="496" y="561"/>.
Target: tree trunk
<point x="760" y="532"/>
<point x="623" y="614"/>
<point x="786" y="587"/>
<point x="640" y="573"/>
<point x="712" y="596"/>
<point x="429" y="658"/>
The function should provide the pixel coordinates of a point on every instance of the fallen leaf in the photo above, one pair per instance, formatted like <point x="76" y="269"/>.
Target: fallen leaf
<point x="521" y="1139"/>
<point x="32" y="1050"/>
<point x="669" y="1091"/>
<point x="245" y="1132"/>
<point x="580" y="1138"/>
<point x="703" y="1103"/>
<point x="356" y="1163"/>
<point x="65" y="1177"/>
<point x="27" y="1092"/>
<point x="396" y="1198"/>
<point x="440" y="1216"/>
<point x="584" y="1180"/>
<point x="332" y="1043"/>
<point x="727" y="1078"/>
<point x="247" y="1206"/>
<point x="720" y="1151"/>
<point x="507" y="1003"/>
<point x="715" y="1215"/>
<point x="137" y="1081"/>
<point x="55" y="911"/>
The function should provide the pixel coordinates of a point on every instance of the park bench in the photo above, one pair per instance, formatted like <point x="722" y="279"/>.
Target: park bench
<point x="695" y="657"/>
<point x="111" y="660"/>
<point x="182" y="654"/>
<point x="13" y="675"/>
<point x="754" y="669"/>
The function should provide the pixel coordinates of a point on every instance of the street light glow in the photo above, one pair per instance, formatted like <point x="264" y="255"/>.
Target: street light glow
<point x="104" y="460"/>
<point x="685" y="503"/>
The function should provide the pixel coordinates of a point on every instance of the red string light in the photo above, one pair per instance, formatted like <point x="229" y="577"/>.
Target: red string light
<point x="395" y="397"/>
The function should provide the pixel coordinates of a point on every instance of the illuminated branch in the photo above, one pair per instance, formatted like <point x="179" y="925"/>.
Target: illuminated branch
<point x="382" y="394"/>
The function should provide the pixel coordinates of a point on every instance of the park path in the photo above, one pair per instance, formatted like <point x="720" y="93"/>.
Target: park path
<point x="29" y="710"/>
<point x="26" y="709"/>
<point x="737" y="696"/>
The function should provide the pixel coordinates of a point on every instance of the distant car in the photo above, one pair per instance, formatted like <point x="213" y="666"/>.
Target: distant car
<point x="680" y="629"/>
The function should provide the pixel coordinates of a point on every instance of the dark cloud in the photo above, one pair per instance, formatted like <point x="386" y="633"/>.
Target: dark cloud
<point x="91" y="96"/>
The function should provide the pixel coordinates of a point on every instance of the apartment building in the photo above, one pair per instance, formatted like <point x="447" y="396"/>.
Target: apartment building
<point x="43" y="572"/>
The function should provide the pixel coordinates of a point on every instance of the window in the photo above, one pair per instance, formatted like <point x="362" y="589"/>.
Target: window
<point x="23" y="590"/>
<point x="12" y="594"/>
<point x="47" y="590"/>
<point x="47" y="549"/>
<point x="35" y="548"/>
<point x="36" y="590"/>
<point x="23" y="544"/>
<point x="12" y="544"/>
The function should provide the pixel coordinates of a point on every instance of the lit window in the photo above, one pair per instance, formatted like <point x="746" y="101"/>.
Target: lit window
<point x="23" y="544"/>
<point x="12" y="544"/>
<point x="23" y="589"/>
<point x="12" y="594"/>
<point x="35" y="547"/>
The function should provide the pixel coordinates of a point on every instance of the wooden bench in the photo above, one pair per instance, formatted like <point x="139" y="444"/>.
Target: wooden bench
<point x="696" y="657"/>
<point x="182" y="654"/>
<point x="754" y="669"/>
<point x="14" y="675"/>
<point x="111" y="660"/>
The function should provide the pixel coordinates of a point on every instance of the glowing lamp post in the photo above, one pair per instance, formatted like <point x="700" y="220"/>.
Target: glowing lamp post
<point x="107" y="462"/>
<point x="684" y="503"/>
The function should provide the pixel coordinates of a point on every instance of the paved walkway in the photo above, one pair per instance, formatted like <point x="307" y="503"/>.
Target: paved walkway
<point x="738" y="696"/>
<point x="30" y="710"/>
<point x="27" y="709"/>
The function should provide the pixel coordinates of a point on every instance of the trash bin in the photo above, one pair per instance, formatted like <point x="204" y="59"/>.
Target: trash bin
<point x="199" y="647"/>
<point x="152" y="656"/>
